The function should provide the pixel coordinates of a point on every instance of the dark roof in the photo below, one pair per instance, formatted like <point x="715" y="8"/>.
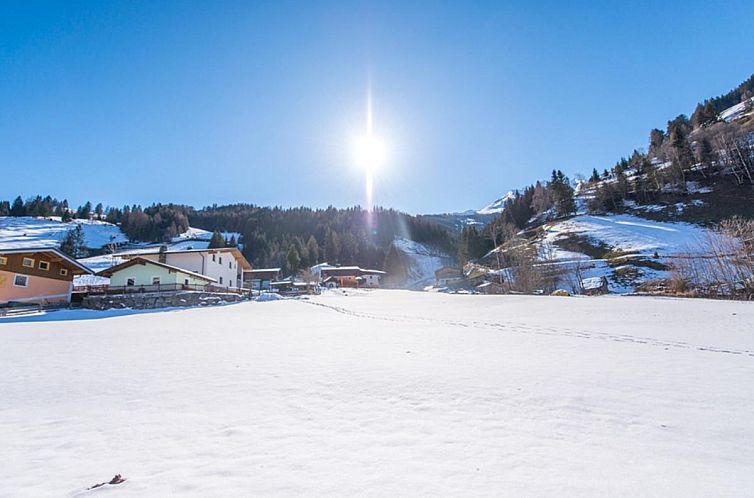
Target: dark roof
<point x="48" y="249"/>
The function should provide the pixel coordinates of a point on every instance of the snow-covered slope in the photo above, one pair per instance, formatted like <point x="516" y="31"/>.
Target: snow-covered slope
<point x="383" y="393"/>
<point x="423" y="261"/>
<point x="738" y="111"/>
<point x="629" y="233"/>
<point x="642" y="250"/>
<point x="193" y="234"/>
<point x="29" y="231"/>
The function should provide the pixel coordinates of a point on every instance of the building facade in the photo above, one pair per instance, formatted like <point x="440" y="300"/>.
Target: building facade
<point x="225" y="266"/>
<point x="37" y="275"/>
<point x="152" y="275"/>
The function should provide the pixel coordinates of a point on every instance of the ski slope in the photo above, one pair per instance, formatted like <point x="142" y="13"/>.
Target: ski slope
<point x="384" y="393"/>
<point x="423" y="261"/>
<point x="28" y="231"/>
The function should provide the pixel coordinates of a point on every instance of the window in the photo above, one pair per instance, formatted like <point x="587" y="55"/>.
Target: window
<point x="221" y="280"/>
<point x="3" y="260"/>
<point x="21" y="281"/>
<point x="44" y="265"/>
<point x="213" y="257"/>
<point x="130" y="282"/>
<point x="155" y="280"/>
<point x="230" y="265"/>
<point x="28" y="262"/>
<point x="186" y="281"/>
<point x="231" y="283"/>
<point x="64" y="271"/>
<point x="221" y="260"/>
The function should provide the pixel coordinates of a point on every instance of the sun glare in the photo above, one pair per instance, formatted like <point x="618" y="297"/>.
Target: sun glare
<point x="369" y="152"/>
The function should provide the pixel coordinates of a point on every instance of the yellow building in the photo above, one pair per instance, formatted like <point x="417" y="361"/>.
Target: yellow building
<point x="152" y="275"/>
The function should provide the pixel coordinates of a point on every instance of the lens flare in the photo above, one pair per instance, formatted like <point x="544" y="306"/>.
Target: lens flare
<point x="369" y="152"/>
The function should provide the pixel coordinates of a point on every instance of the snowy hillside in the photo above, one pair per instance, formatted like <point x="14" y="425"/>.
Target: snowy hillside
<point x="639" y="250"/>
<point x="383" y="393"/>
<point x="738" y="111"/>
<point x="629" y="234"/>
<point x="29" y="231"/>
<point x="193" y="234"/>
<point x="423" y="261"/>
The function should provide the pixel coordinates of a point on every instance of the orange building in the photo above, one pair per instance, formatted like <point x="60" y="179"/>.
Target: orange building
<point x="37" y="275"/>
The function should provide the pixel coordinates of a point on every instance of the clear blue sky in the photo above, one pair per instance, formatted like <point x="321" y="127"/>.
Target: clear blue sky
<point x="219" y="102"/>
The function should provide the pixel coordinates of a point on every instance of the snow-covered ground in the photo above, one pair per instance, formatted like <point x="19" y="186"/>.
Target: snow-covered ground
<point x="193" y="234"/>
<point x="384" y="393"/>
<point x="28" y="231"/>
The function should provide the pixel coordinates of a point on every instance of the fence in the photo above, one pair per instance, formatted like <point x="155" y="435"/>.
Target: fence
<point x="156" y="288"/>
<point x="14" y="308"/>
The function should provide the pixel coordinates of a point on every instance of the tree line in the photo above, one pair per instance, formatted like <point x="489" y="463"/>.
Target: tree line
<point x="534" y="204"/>
<point x="292" y="238"/>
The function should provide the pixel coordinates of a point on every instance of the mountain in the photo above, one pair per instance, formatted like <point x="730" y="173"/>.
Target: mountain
<point x="497" y="206"/>
<point x="654" y="218"/>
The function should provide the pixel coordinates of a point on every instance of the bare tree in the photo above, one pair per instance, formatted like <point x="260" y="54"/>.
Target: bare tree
<point x="721" y="264"/>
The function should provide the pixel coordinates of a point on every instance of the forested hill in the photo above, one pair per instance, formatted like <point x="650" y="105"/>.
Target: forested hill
<point x="698" y="169"/>
<point x="271" y="236"/>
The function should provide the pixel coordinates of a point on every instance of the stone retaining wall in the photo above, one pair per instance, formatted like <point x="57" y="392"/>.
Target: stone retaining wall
<point x="143" y="301"/>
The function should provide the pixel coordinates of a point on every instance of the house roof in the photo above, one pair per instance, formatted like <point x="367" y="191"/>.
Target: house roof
<point x="245" y="265"/>
<point x="50" y="250"/>
<point x="358" y="269"/>
<point x="448" y="270"/>
<point x="263" y="270"/>
<point x="143" y="261"/>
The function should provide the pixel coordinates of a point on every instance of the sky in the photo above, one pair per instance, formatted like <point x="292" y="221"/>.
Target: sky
<point x="218" y="102"/>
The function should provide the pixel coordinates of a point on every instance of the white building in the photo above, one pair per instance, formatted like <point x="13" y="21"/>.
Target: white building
<point x="224" y="265"/>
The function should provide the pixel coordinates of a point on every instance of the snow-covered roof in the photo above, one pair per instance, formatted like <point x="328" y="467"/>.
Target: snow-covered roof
<point x="156" y="250"/>
<point x="353" y="269"/>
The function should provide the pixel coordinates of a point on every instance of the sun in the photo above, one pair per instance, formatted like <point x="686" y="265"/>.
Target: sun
<point x="369" y="152"/>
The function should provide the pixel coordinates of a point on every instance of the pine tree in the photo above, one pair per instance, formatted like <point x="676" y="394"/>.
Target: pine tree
<point x="73" y="244"/>
<point x="216" y="241"/>
<point x="18" y="208"/>
<point x="595" y="176"/>
<point x="312" y="248"/>
<point x="293" y="259"/>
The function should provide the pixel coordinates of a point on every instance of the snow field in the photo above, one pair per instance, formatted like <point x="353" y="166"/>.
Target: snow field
<point x="28" y="231"/>
<point x="383" y="393"/>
